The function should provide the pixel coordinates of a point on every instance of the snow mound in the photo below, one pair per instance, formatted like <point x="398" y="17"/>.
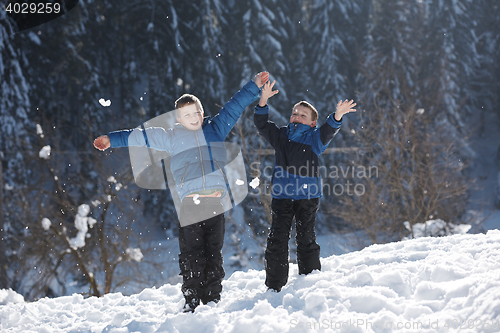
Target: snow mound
<point x="445" y="284"/>
<point x="436" y="228"/>
<point x="10" y="296"/>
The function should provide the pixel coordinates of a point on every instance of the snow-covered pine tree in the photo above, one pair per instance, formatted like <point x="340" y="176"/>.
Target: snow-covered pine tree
<point x="485" y="84"/>
<point x="450" y="39"/>
<point x="72" y="65"/>
<point x="334" y="33"/>
<point x="202" y="25"/>
<point x="291" y="20"/>
<point x="405" y="130"/>
<point x="254" y="40"/>
<point x="14" y="104"/>
<point x="331" y="44"/>
<point x="14" y="142"/>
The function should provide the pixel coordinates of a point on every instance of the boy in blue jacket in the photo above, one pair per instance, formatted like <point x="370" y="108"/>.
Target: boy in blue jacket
<point x="296" y="185"/>
<point x="198" y="157"/>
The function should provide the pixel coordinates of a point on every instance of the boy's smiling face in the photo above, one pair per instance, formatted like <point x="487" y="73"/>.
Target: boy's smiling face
<point x="302" y="115"/>
<point x="190" y="117"/>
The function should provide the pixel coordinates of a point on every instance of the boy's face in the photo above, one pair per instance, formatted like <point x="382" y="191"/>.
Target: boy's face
<point x="190" y="117"/>
<point x="302" y="115"/>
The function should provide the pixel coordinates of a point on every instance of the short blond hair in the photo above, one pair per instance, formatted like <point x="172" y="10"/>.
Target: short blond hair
<point x="314" y="112"/>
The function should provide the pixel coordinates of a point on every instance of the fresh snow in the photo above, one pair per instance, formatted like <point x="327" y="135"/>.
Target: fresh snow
<point x="428" y="284"/>
<point x="9" y="296"/>
<point x="436" y="228"/>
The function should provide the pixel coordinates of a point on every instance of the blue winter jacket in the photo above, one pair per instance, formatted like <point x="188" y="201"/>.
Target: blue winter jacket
<point x="198" y="157"/>
<point x="297" y="149"/>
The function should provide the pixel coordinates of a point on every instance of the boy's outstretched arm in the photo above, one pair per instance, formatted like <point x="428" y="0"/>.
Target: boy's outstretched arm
<point x="102" y="142"/>
<point x="227" y="117"/>
<point x="333" y="122"/>
<point x="152" y="137"/>
<point x="267" y="129"/>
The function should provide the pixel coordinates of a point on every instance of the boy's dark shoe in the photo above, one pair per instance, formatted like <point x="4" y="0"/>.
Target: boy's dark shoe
<point x="210" y="297"/>
<point x="207" y="300"/>
<point x="191" y="304"/>
<point x="273" y="290"/>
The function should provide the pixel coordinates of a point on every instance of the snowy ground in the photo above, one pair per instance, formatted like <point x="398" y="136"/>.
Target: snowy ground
<point x="441" y="284"/>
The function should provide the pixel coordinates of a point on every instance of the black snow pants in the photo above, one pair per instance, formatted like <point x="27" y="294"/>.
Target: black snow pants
<point x="200" y="258"/>
<point x="276" y="257"/>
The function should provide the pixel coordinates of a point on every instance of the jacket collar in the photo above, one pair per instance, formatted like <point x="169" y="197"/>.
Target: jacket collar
<point x="295" y="130"/>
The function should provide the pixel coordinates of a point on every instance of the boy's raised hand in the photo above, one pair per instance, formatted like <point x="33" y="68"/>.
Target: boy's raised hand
<point x="344" y="107"/>
<point x="261" y="78"/>
<point x="102" y="142"/>
<point x="267" y="92"/>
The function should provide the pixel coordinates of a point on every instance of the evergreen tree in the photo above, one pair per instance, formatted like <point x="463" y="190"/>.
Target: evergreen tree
<point x="14" y="142"/>
<point x="202" y="26"/>
<point x="450" y="42"/>
<point x="72" y="65"/>
<point x="254" y="40"/>
<point x="406" y="130"/>
<point x="334" y="36"/>
<point x="292" y="20"/>
<point x="332" y="46"/>
<point x="485" y="84"/>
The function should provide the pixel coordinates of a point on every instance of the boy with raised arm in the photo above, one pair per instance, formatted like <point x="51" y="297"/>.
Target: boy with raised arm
<point x="198" y="156"/>
<point x="296" y="185"/>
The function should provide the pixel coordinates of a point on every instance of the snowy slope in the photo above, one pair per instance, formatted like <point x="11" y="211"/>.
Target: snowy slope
<point x="424" y="284"/>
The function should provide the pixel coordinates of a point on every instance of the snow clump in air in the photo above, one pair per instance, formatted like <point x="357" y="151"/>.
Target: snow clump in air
<point x="44" y="152"/>
<point x="255" y="182"/>
<point x="82" y="224"/>
<point x="46" y="223"/>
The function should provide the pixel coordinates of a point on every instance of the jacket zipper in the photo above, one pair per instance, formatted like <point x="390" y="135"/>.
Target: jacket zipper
<point x="228" y="186"/>
<point x="201" y="159"/>
<point x="222" y="171"/>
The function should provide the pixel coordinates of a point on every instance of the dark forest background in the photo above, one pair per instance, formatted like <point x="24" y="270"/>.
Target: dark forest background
<point x="423" y="72"/>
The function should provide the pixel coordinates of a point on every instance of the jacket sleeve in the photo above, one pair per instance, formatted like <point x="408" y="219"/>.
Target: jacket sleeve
<point x="227" y="117"/>
<point x="152" y="137"/>
<point x="266" y="128"/>
<point x="327" y="131"/>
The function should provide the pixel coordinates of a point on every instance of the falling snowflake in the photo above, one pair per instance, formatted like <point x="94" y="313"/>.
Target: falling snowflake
<point x="104" y="102"/>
